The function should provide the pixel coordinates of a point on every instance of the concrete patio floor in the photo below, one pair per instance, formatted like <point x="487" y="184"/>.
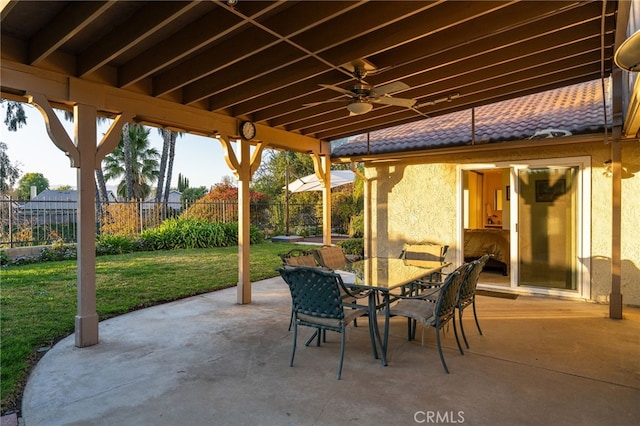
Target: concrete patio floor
<point x="209" y="361"/>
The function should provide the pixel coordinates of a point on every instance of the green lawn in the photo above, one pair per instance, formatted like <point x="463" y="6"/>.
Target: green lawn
<point x="38" y="302"/>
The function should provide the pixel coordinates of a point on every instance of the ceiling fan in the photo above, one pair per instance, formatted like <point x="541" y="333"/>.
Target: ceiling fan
<point x="362" y="96"/>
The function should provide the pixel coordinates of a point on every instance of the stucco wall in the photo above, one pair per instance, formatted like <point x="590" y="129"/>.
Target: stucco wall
<point x="417" y="202"/>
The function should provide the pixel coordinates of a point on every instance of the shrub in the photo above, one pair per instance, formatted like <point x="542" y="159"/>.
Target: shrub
<point x="58" y="251"/>
<point x="353" y="246"/>
<point x="118" y="244"/>
<point x="172" y="234"/>
<point x="194" y="233"/>
<point x="121" y="219"/>
<point x="356" y="226"/>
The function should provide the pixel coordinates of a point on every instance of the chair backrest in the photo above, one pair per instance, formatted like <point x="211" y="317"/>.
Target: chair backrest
<point x="470" y="282"/>
<point x="316" y="294"/>
<point x="424" y="251"/>
<point x="448" y="297"/>
<point x="298" y="257"/>
<point x="331" y="257"/>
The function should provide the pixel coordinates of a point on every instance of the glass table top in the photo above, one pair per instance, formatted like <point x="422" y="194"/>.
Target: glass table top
<point x="387" y="273"/>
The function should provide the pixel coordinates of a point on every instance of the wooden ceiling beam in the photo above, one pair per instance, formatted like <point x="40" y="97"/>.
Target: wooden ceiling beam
<point x="143" y="23"/>
<point x="74" y="18"/>
<point x="208" y="29"/>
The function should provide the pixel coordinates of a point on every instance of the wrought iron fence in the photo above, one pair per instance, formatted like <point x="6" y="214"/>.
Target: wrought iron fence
<point x="41" y="222"/>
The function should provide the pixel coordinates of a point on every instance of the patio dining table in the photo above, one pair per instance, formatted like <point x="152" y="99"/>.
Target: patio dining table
<point x="383" y="275"/>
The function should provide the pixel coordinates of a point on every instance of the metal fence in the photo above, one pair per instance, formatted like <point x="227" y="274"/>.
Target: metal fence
<point x="41" y="222"/>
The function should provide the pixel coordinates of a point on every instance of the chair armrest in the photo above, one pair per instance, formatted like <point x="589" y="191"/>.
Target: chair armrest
<point x="358" y="294"/>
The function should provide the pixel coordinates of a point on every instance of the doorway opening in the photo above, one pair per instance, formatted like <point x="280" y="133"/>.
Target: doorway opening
<point x="487" y="222"/>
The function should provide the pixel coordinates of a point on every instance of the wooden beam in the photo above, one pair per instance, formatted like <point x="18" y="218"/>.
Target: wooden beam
<point x="72" y="19"/>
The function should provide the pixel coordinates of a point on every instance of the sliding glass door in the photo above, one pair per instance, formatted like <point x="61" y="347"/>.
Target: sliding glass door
<point x="548" y="227"/>
<point x="541" y="209"/>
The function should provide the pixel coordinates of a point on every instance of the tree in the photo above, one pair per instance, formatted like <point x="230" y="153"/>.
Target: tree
<point x="9" y="173"/>
<point x="143" y="163"/>
<point x="65" y="188"/>
<point x="166" y="140"/>
<point x="27" y="181"/>
<point x="221" y="204"/>
<point x="15" y="117"/>
<point x="271" y="175"/>
<point x="183" y="183"/>
<point x="125" y="140"/>
<point x="172" y="154"/>
<point x="189" y="195"/>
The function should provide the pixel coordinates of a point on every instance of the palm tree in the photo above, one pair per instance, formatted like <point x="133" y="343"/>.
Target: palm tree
<point x="172" y="154"/>
<point x="125" y="140"/>
<point x="166" y="139"/>
<point x="166" y="165"/>
<point x="102" y="198"/>
<point x="143" y="164"/>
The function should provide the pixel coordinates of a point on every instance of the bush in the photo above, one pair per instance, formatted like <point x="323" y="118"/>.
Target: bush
<point x="4" y="259"/>
<point x="58" y="251"/>
<point x="121" y="219"/>
<point x="118" y="244"/>
<point x="352" y="246"/>
<point x="172" y="234"/>
<point x="356" y="226"/>
<point x="194" y="233"/>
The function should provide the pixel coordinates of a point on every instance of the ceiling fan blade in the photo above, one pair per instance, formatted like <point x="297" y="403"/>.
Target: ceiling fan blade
<point x="337" y="89"/>
<point x="327" y="101"/>
<point x="447" y="98"/>
<point x="388" y="100"/>
<point x="396" y="86"/>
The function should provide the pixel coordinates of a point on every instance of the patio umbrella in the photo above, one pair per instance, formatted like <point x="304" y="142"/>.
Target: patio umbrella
<point x="312" y="183"/>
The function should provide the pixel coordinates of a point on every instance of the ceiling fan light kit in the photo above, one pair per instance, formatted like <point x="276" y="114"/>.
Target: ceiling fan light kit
<point x="359" y="107"/>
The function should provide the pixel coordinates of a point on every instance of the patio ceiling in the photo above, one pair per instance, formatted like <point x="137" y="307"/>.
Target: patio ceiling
<point x="265" y="60"/>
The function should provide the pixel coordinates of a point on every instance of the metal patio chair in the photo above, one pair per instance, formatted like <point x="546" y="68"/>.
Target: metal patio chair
<point x="298" y="257"/>
<point x="333" y="257"/>
<point x="317" y="303"/>
<point x="467" y="295"/>
<point x="430" y="314"/>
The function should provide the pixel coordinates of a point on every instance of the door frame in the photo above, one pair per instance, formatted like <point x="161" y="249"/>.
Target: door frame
<point x="583" y="243"/>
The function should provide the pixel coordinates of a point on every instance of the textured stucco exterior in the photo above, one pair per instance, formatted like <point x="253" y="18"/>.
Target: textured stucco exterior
<point x="417" y="201"/>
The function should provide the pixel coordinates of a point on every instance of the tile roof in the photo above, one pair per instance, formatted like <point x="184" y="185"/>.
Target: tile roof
<point x="576" y="109"/>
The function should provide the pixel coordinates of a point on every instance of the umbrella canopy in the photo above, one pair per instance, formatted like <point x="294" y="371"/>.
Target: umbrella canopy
<point x="312" y="183"/>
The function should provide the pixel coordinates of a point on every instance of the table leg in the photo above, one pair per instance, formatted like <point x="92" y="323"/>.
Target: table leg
<point x="386" y="325"/>
<point x="373" y="309"/>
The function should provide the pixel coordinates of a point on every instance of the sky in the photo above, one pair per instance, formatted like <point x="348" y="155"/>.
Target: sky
<point x="198" y="158"/>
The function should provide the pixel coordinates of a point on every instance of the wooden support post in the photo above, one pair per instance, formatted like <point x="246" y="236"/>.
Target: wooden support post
<point x="85" y="140"/>
<point x="85" y="157"/>
<point x="244" y="168"/>
<point x="322" y="166"/>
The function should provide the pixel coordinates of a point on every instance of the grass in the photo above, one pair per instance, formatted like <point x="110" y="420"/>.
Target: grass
<point x="38" y="301"/>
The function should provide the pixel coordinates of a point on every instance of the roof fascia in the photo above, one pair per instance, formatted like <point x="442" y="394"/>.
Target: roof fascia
<point x="471" y="149"/>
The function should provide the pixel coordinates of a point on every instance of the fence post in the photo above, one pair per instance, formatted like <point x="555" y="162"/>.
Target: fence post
<point x="140" y="210"/>
<point x="10" y="222"/>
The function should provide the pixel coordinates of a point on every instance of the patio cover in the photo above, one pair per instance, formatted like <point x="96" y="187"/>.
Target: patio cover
<point x="207" y="67"/>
